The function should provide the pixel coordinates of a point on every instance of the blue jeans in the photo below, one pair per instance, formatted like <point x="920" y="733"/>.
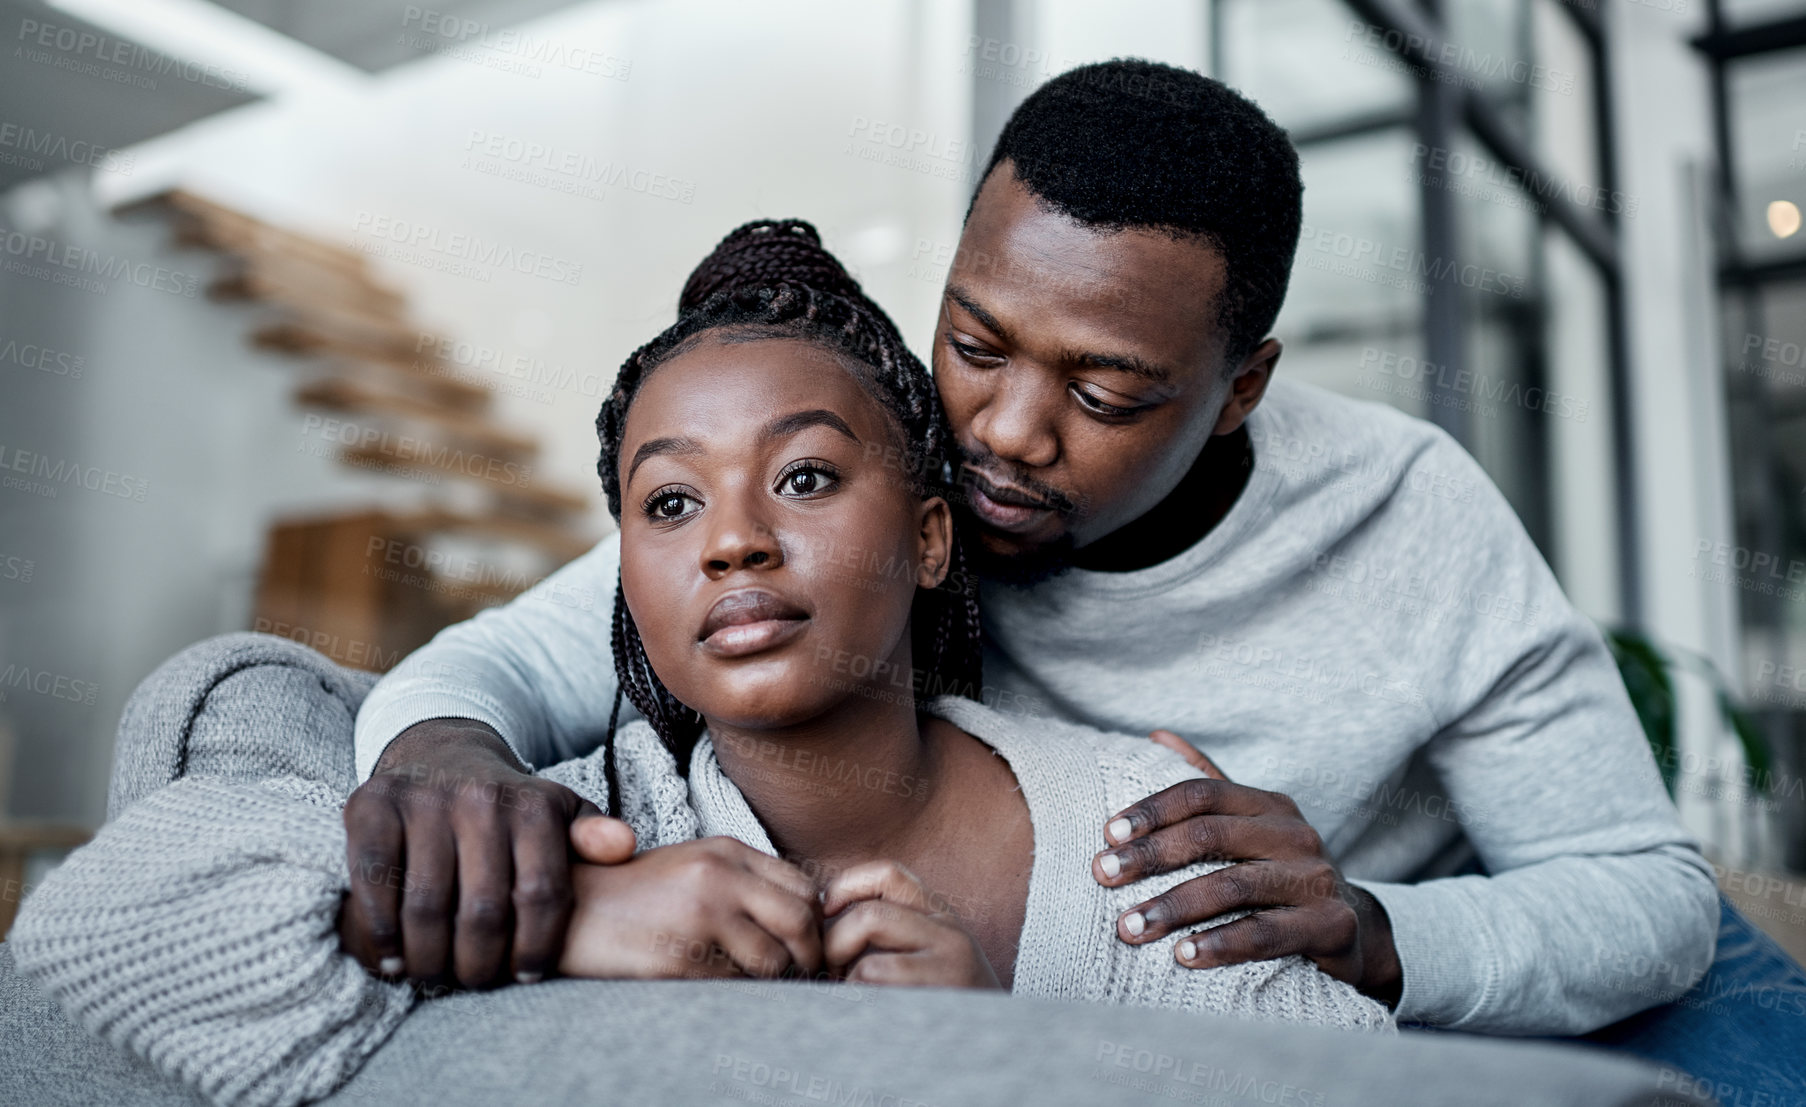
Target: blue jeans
<point x="1739" y="1035"/>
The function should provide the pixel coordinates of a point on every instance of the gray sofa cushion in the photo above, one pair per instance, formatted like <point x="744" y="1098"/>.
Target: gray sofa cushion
<point x="577" y="1042"/>
<point x="673" y="1042"/>
<point x="48" y="1059"/>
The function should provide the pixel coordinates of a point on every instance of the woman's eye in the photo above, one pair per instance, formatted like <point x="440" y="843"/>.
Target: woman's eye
<point x="668" y="505"/>
<point x="806" y="481"/>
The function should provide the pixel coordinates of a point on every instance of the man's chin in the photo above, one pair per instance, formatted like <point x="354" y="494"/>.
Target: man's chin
<point x="1005" y="561"/>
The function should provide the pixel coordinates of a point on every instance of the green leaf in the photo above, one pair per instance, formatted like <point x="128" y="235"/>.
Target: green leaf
<point x="1755" y="743"/>
<point x="1645" y="671"/>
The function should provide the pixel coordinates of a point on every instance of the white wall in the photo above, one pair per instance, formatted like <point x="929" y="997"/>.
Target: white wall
<point x="797" y="108"/>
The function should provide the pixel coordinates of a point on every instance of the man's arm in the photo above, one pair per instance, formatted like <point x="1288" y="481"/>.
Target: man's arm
<point x="538" y="671"/>
<point x="447" y="742"/>
<point x="1598" y="904"/>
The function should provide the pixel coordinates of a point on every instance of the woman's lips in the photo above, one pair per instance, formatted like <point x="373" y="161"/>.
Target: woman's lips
<point x="749" y="621"/>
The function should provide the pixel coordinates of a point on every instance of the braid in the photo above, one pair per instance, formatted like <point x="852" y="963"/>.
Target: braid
<point x="774" y="279"/>
<point x="677" y="726"/>
<point x="765" y="253"/>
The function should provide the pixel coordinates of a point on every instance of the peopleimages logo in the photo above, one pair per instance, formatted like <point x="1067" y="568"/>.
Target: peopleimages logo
<point x="16" y="677"/>
<point x="1455" y="57"/>
<point x="1445" y="168"/>
<point x="116" y="60"/>
<point x="47" y="476"/>
<point x="1397" y="266"/>
<point x="31" y="255"/>
<point x="568" y="171"/>
<point x="462" y="36"/>
<point x="1467" y="382"/>
<point x="457" y="247"/>
<point x="404" y="449"/>
<point x="18" y="141"/>
<point x="29" y="355"/>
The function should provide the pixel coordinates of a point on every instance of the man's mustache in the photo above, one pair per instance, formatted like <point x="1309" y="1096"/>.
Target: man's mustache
<point x="1006" y="476"/>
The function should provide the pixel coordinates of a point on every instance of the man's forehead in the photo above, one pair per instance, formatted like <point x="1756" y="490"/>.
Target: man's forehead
<point x="1138" y="291"/>
<point x="1013" y="235"/>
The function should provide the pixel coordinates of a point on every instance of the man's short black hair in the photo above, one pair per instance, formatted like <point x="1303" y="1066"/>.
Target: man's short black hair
<point x="1132" y="143"/>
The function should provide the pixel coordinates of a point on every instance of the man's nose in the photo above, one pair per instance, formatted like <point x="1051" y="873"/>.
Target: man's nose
<point x="1017" y="422"/>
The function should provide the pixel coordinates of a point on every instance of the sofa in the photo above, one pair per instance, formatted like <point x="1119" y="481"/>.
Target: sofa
<point x="208" y="711"/>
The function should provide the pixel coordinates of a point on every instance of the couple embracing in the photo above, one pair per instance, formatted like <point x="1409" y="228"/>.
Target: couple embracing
<point x="1100" y="518"/>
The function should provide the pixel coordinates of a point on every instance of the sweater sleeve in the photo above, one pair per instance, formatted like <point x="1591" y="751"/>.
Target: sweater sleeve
<point x="199" y="931"/>
<point x="538" y="669"/>
<point x="1546" y="769"/>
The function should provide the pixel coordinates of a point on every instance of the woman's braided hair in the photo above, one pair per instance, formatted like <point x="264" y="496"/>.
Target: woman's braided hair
<point x="772" y="279"/>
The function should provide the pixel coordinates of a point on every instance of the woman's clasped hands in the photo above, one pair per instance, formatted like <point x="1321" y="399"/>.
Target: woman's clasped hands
<point x="717" y="908"/>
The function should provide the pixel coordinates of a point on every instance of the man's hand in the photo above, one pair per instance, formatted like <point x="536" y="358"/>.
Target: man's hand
<point x="714" y="907"/>
<point x="1300" y="902"/>
<point x="460" y="866"/>
<point x="878" y="932"/>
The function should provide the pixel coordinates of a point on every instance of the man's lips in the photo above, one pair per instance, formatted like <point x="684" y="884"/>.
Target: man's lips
<point x="1003" y="507"/>
<point x="749" y="620"/>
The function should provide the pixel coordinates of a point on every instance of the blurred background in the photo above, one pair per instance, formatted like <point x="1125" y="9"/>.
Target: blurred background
<point x="306" y="306"/>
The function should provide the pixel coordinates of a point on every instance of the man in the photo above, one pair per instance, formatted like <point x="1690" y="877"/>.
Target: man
<point x="1328" y="597"/>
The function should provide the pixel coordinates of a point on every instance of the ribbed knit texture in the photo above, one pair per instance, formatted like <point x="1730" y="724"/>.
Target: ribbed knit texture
<point x="237" y="707"/>
<point x="199" y="929"/>
<point x="1071" y="777"/>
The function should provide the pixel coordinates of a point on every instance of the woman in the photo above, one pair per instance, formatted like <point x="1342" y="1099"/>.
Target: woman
<point x="790" y="580"/>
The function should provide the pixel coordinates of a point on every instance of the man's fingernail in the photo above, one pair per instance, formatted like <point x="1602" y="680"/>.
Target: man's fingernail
<point x="1119" y="830"/>
<point x="1134" y="924"/>
<point x="392" y="966"/>
<point x="1111" y="865"/>
<point x="529" y="977"/>
<point x="1188" y="950"/>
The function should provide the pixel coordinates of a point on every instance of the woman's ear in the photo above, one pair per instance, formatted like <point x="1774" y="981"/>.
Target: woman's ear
<point x="934" y="542"/>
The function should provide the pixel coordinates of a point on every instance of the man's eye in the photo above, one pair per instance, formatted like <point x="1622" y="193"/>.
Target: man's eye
<point x="1102" y="408"/>
<point x="972" y="353"/>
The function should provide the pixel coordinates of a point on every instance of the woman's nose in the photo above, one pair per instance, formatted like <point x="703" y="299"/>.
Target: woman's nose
<point x="741" y="538"/>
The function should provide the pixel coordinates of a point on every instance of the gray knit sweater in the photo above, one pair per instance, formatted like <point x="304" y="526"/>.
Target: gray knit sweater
<point x="198" y="929"/>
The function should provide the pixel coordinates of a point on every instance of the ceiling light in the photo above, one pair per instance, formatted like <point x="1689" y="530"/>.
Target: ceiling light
<point x="1783" y="218"/>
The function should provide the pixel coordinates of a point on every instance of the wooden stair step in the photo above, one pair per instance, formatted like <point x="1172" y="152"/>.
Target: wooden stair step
<point x="338" y="393"/>
<point x="203" y="222"/>
<point x="432" y="376"/>
<point x="558" y="542"/>
<point x="303" y="288"/>
<point x="526" y="495"/>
